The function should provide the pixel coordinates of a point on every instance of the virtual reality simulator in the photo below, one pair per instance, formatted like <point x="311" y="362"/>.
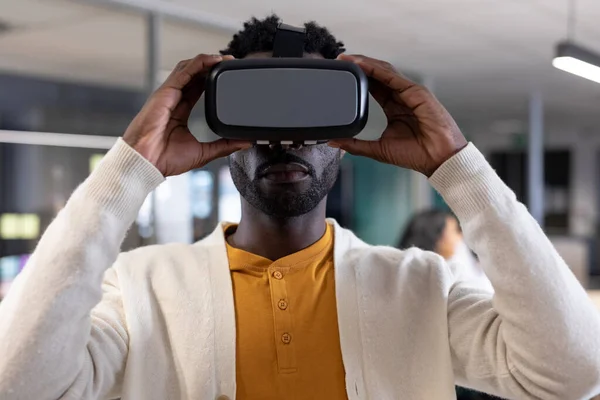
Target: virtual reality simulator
<point x="286" y="99"/>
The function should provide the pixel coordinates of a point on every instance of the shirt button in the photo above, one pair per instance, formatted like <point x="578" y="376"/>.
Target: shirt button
<point x="286" y="338"/>
<point x="277" y="275"/>
<point x="282" y="304"/>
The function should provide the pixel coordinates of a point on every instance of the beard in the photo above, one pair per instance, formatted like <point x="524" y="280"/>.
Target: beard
<point x="286" y="203"/>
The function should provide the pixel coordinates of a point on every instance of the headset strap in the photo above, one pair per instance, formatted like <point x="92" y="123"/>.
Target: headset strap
<point x="289" y="41"/>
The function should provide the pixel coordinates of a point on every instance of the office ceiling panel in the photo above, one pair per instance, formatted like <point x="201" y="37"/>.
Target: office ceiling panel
<point x="484" y="56"/>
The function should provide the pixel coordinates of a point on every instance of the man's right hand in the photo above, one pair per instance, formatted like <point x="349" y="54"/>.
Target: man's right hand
<point x="160" y="131"/>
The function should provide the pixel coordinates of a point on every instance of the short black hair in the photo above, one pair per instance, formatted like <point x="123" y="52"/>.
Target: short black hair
<point x="258" y="36"/>
<point x="425" y="230"/>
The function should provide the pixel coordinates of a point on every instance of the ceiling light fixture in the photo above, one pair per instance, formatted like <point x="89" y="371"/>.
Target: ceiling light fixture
<point x="573" y="58"/>
<point x="578" y="61"/>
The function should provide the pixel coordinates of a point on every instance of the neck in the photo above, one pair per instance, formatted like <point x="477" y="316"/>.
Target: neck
<point x="274" y="238"/>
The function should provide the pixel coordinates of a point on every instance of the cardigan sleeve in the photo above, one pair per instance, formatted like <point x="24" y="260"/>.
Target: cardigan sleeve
<point x="52" y="345"/>
<point x="538" y="336"/>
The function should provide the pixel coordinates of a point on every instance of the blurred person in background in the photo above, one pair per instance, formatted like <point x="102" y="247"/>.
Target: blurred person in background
<point x="288" y="304"/>
<point x="439" y="231"/>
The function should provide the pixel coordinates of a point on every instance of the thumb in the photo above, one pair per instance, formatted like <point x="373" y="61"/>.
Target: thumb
<point x="358" y="147"/>
<point x="211" y="151"/>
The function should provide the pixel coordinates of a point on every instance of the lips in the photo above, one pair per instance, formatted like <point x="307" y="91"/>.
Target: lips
<point x="285" y="172"/>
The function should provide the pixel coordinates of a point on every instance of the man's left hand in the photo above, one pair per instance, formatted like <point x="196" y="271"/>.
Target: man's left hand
<point x="420" y="133"/>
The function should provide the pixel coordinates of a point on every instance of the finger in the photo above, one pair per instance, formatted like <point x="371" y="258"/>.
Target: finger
<point x="385" y="83"/>
<point x="186" y="70"/>
<point x="211" y="151"/>
<point x="389" y="77"/>
<point x="381" y="93"/>
<point x="381" y="71"/>
<point x="405" y="90"/>
<point x="183" y="64"/>
<point x="191" y="94"/>
<point x="357" y="58"/>
<point x="179" y="67"/>
<point x="358" y="147"/>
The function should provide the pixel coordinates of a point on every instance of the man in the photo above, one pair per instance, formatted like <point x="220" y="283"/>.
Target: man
<point x="287" y="305"/>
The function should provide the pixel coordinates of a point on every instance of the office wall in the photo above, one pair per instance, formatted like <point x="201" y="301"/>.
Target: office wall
<point x="28" y="103"/>
<point x="584" y="144"/>
<point x="382" y="198"/>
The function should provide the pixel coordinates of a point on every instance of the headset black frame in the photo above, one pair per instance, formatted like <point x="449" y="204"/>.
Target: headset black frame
<point x="279" y="135"/>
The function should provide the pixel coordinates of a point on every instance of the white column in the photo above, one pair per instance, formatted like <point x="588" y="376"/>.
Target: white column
<point x="535" y="168"/>
<point x="153" y="31"/>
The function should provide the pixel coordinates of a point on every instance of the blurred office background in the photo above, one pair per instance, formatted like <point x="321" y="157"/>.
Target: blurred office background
<point x="73" y="73"/>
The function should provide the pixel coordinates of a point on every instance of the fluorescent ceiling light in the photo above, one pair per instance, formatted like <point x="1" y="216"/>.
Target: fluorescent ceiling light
<point x="578" y="61"/>
<point x="58" y="139"/>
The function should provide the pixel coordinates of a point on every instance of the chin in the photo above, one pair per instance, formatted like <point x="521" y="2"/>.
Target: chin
<point x="271" y="189"/>
<point x="286" y="203"/>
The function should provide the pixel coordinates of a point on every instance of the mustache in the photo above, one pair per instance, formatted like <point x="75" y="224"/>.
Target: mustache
<point x="283" y="158"/>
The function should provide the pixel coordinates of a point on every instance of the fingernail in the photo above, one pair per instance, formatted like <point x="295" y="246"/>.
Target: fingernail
<point x="333" y="144"/>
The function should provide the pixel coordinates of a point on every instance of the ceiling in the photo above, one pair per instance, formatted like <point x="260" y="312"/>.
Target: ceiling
<point x="484" y="57"/>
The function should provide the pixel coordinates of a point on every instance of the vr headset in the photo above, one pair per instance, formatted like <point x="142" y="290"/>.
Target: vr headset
<point x="286" y="99"/>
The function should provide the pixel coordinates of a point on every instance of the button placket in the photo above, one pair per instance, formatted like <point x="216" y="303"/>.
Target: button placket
<point x="282" y="318"/>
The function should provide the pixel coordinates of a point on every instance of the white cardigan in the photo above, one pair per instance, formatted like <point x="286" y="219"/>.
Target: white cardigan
<point x="162" y="324"/>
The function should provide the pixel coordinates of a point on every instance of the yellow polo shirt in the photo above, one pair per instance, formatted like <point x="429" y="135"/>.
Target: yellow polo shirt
<point x="288" y="344"/>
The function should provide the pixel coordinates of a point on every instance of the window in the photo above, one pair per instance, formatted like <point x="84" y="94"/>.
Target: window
<point x="230" y="206"/>
<point x="19" y="226"/>
<point x="512" y="168"/>
<point x="202" y="193"/>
